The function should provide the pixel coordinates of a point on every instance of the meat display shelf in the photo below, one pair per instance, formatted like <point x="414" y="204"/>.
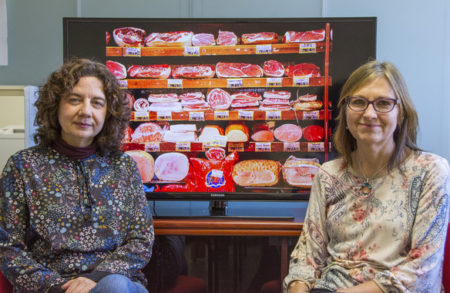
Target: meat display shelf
<point x="292" y="48"/>
<point x="242" y="115"/>
<point x="266" y="82"/>
<point x="186" y="147"/>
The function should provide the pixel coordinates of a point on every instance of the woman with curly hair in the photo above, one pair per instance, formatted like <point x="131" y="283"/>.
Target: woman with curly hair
<point x="73" y="212"/>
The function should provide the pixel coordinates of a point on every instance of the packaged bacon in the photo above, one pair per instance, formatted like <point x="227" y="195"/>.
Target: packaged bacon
<point x="213" y="175"/>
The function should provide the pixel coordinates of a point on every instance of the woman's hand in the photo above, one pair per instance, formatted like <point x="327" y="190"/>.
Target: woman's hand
<point x="368" y="287"/>
<point x="297" y="287"/>
<point x="79" y="285"/>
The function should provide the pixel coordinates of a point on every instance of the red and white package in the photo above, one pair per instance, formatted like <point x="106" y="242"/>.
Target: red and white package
<point x="117" y="69"/>
<point x="259" y="38"/>
<point x="129" y="37"/>
<point x="227" y="38"/>
<point x="194" y="71"/>
<point x="301" y="37"/>
<point x="150" y="71"/>
<point x="273" y="68"/>
<point x="203" y="39"/>
<point x="219" y="99"/>
<point x="314" y="133"/>
<point x="215" y="154"/>
<point x="169" y="39"/>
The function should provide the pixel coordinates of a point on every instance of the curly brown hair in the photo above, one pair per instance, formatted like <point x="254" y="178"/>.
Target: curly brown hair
<point x="61" y="82"/>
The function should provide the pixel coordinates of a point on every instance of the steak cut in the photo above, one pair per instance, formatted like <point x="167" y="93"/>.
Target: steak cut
<point x="304" y="37"/>
<point x="219" y="99"/>
<point x="193" y="71"/>
<point x="224" y="69"/>
<point x="273" y="68"/>
<point x="203" y="40"/>
<point x="259" y="38"/>
<point x="117" y="69"/>
<point x="226" y="38"/>
<point x="303" y="69"/>
<point x="129" y="37"/>
<point x="161" y="71"/>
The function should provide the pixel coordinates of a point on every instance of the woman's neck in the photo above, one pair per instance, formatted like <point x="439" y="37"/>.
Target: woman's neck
<point x="371" y="161"/>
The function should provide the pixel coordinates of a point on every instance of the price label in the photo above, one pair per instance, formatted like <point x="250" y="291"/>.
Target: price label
<point x="262" y="146"/>
<point x="300" y="81"/>
<point x="183" y="146"/>
<point x="234" y="82"/>
<point x="175" y="83"/>
<point x="264" y="49"/>
<point x="141" y="115"/>
<point x="311" y="115"/>
<point x="291" y="146"/>
<point x="123" y="83"/>
<point x="132" y="52"/>
<point x="219" y="141"/>
<point x="245" y="115"/>
<point x="273" y="115"/>
<point x="192" y="51"/>
<point x="221" y="115"/>
<point x="152" y="147"/>
<point x="274" y="81"/>
<point x="235" y="146"/>
<point x="307" y="48"/>
<point x="316" y="147"/>
<point x="216" y="173"/>
<point x="196" y="116"/>
<point x="164" y="115"/>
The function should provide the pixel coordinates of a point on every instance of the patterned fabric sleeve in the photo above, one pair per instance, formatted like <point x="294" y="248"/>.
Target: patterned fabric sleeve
<point x="309" y="255"/>
<point x="26" y="274"/>
<point x="131" y="258"/>
<point x="423" y="264"/>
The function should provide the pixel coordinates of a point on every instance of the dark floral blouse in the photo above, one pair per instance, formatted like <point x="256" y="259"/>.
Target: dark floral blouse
<point x="61" y="218"/>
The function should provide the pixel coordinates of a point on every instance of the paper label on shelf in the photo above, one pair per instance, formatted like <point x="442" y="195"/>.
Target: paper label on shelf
<point x="311" y="115"/>
<point x="300" y="81"/>
<point x="316" y="147"/>
<point x="164" y="115"/>
<point x="132" y="52"/>
<point x="307" y="48"/>
<point x="245" y="115"/>
<point x="274" y="81"/>
<point x="183" y="146"/>
<point x="123" y="83"/>
<point x="221" y="115"/>
<point x="196" y="116"/>
<point x="175" y="83"/>
<point x="263" y="146"/>
<point x="141" y="115"/>
<point x="219" y="141"/>
<point x="152" y="147"/>
<point x="273" y="115"/>
<point x="192" y="51"/>
<point x="234" y="82"/>
<point x="291" y="146"/>
<point x="264" y="49"/>
<point x="235" y="146"/>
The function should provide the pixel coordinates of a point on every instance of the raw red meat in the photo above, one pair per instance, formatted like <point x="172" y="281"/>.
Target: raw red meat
<point x="224" y="69"/>
<point x="260" y="38"/>
<point x="127" y="135"/>
<point x="246" y="95"/>
<point x="191" y="95"/>
<point x="215" y="154"/>
<point x="171" y="167"/>
<point x="274" y="107"/>
<point x="141" y="104"/>
<point x="273" y="68"/>
<point x="149" y="71"/>
<point x="313" y="133"/>
<point x="193" y="71"/>
<point x="240" y="103"/>
<point x="203" y="40"/>
<point x="304" y="70"/>
<point x="219" y="99"/>
<point x="308" y="36"/>
<point x="129" y="37"/>
<point x="227" y="38"/>
<point x="162" y="98"/>
<point x="288" y="132"/>
<point x="131" y="100"/>
<point x="147" y="132"/>
<point x="274" y="101"/>
<point x="179" y="38"/>
<point x="277" y="95"/>
<point x="108" y="37"/>
<point x="117" y="69"/>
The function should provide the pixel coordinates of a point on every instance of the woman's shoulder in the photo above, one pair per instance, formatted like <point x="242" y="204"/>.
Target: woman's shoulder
<point x="31" y="152"/>
<point x="428" y="160"/>
<point x="334" y="165"/>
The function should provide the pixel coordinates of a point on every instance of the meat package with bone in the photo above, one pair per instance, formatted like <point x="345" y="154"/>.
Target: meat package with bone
<point x="129" y="37"/>
<point x="273" y="68"/>
<point x="219" y="99"/>
<point x="117" y="69"/>
<point x="299" y="172"/>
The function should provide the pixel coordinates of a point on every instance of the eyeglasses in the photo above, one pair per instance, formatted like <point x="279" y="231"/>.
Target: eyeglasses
<point x="381" y="105"/>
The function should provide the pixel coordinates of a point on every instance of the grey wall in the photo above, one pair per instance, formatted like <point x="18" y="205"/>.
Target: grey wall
<point x="414" y="36"/>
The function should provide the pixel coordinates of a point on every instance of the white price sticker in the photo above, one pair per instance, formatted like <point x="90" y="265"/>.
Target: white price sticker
<point x="183" y="146"/>
<point x="132" y="52"/>
<point x="311" y="115"/>
<point x="175" y="83"/>
<point x="245" y="115"/>
<point x="141" y="115"/>
<point x="316" y="147"/>
<point x="307" y="48"/>
<point x="291" y="146"/>
<point x="262" y="146"/>
<point x="123" y="83"/>
<point x="152" y="147"/>
<point x="234" y="82"/>
<point x="192" y="51"/>
<point x="274" y="81"/>
<point x="264" y="49"/>
<point x="219" y="141"/>
<point x="301" y="81"/>
<point x="163" y="115"/>
<point x="196" y="116"/>
<point x="273" y="115"/>
<point x="221" y="115"/>
<point x="216" y="173"/>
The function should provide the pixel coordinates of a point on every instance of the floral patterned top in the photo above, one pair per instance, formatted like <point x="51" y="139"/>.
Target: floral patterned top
<point x="62" y="218"/>
<point x="393" y="235"/>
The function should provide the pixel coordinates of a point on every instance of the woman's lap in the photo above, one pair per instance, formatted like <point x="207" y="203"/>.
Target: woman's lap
<point x="118" y="283"/>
